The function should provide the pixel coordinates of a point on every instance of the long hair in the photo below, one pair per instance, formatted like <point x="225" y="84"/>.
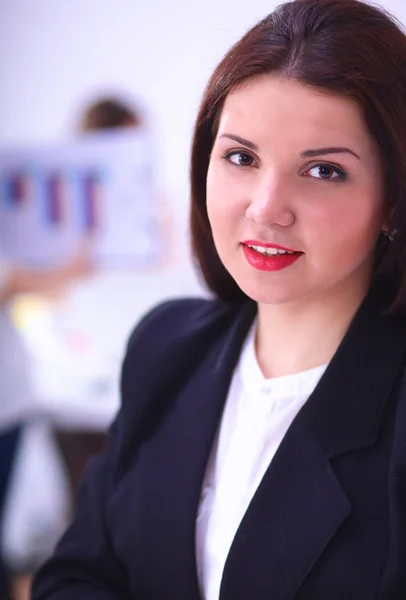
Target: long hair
<point x="344" y="47"/>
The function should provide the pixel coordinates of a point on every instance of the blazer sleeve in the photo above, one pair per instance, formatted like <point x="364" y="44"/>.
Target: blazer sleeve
<point x="84" y="564"/>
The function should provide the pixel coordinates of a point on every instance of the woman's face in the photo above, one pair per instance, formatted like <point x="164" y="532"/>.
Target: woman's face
<point x="294" y="191"/>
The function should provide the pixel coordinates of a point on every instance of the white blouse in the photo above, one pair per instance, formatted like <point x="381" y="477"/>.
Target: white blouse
<point x="257" y="414"/>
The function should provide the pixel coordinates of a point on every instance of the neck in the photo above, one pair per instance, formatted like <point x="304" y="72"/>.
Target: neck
<point x="297" y="336"/>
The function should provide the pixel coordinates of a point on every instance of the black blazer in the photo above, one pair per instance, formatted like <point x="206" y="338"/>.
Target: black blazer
<point x="328" y="521"/>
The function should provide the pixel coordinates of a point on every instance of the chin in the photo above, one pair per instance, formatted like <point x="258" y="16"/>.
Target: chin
<point x="269" y="293"/>
<point x="266" y="287"/>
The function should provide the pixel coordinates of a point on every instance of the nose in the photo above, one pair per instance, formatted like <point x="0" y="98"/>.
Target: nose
<point x="271" y="203"/>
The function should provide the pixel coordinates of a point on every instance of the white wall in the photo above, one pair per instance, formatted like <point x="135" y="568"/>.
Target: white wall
<point x="54" y="54"/>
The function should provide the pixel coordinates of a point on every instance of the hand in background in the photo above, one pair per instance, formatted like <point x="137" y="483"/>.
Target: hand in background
<point x="80" y="264"/>
<point x="20" y="280"/>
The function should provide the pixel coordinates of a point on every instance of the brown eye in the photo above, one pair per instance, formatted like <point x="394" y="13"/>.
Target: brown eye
<point x="241" y="159"/>
<point x="326" y="172"/>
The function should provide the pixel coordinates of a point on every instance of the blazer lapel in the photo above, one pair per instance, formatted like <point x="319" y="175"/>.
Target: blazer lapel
<point x="294" y="514"/>
<point x="300" y="504"/>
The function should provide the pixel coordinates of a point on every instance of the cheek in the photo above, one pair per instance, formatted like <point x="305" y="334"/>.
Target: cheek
<point x="222" y="200"/>
<point x="349" y="224"/>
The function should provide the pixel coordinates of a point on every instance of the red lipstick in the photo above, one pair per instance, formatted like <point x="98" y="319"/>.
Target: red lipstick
<point x="272" y="262"/>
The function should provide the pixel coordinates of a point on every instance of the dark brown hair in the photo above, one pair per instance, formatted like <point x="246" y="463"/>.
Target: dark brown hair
<point x="345" y="47"/>
<point x="108" y="113"/>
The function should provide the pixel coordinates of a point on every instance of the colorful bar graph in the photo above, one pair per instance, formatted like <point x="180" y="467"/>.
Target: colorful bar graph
<point x="15" y="188"/>
<point x="57" y="194"/>
<point x="18" y="187"/>
<point x="91" y="197"/>
<point x="54" y="198"/>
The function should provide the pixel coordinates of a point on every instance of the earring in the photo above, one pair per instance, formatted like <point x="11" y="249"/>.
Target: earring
<point x="391" y="234"/>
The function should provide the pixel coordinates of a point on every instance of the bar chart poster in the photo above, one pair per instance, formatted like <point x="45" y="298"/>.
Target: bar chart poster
<point x="99" y="186"/>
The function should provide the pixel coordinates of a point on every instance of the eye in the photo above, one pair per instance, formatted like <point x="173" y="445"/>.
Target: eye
<point x="240" y="158"/>
<point x="326" y="172"/>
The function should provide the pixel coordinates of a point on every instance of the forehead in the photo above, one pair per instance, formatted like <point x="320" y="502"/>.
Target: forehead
<point x="272" y="107"/>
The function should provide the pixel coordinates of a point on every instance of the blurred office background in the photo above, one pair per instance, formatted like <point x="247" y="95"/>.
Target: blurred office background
<point x="56" y="59"/>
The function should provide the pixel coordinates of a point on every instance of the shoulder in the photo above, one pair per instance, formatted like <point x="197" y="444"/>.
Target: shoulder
<point x="170" y="341"/>
<point x="179" y="320"/>
<point x="163" y="351"/>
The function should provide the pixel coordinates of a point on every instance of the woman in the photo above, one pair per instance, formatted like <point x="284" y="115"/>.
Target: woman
<point x="260" y="448"/>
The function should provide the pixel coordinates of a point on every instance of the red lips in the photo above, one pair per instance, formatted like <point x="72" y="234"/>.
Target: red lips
<point x="273" y="262"/>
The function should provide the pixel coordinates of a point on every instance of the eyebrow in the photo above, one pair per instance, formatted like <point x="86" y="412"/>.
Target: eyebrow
<point x="305" y="154"/>
<point x="241" y="140"/>
<point x="333" y="150"/>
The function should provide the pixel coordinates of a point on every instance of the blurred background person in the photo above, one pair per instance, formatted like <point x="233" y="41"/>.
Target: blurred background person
<point x="104" y="114"/>
<point x="38" y="526"/>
